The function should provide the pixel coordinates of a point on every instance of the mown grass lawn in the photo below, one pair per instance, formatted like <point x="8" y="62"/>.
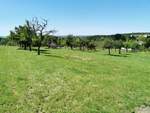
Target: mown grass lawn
<point x="65" y="81"/>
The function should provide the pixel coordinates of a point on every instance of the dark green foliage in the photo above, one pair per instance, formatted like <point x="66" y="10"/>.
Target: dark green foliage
<point x="135" y="46"/>
<point x="126" y="45"/>
<point x="83" y="44"/>
<point x="119" y="37"/>
<point x="4" y="41"/>
<point x="70" y="41"/>
<point x="91" y="46"/>
<point x="118" y="45"/>
<point x="132" y="37"/>
<point x="50" y="39"/>
<point x="147" y="43"/>
<point x="22" y="36"/>
<point x="108" y="44"/>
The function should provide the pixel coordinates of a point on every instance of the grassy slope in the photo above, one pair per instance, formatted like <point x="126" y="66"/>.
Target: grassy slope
<point x="65" y="81"/>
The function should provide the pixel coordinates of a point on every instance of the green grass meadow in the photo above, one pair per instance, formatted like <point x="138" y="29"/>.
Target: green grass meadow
<point x="66" y="81"/>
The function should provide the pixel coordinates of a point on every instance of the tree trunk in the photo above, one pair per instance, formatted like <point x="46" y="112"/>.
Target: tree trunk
<point x="25" y="46"/>
<point x="30" y="48"/>
<point x="39" y="50"/>
<point x="20" y="44"/>
<point x="39" y="46"/>
<point x="71" y="47"/>
<point x="126" y="50"/>
<point x="109" y="51"/>
<point x="30" y="44"/>
<point x="80" y="47"/>
<point x="119" y="51"/>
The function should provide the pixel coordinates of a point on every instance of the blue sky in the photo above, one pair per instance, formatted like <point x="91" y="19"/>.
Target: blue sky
<point x="79" y="17"/>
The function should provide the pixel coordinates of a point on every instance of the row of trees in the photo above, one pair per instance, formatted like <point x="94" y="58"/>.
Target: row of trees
<point x="34" y="33"/>
<point x="111" y="44"/>
<point x="128" y="43"/>
<point x="81" y="43"/>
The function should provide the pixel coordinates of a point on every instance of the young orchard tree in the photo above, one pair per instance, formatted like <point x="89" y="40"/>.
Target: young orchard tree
<point x="82" y="44"/>
<point x="22" y="35"/>
<point x="39" y="30"/>
<point x="118" y="45"/>
<point x="126" y="45"/>
<point x="135" y="46"/>
<point x="147" y="43"/>
<point x="70" y="41"/>
<point x="13" y="38"/>
<point x="29" y="34"/>
<point x="108" y="44"/>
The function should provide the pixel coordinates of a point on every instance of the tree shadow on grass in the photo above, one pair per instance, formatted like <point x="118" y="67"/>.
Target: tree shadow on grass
<point x="54" y="56"/>
<point x="48" y="54"/>
<point x="44" y="52"/>
<point x="41" y="50"/>
<point x="20" y="48"/>
<point x="121" y="55"/>
<point x="33" y="49"/>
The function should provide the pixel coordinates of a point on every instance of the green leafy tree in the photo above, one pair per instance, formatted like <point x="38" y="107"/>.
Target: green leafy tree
<point x="135" y="46"/>
<point x="147" y="43"/>
<point x="70" y="42"/>
<point x="22" y="35"/>
<point x="108" y="44"/>
<point x="118" y="45"/>
<point x="126" y="45"/>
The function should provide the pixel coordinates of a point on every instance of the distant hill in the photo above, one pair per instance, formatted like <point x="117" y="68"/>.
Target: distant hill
<point x="94" y="36"/>
<point x="138" y="33"/>
<point x="127" y="34"/>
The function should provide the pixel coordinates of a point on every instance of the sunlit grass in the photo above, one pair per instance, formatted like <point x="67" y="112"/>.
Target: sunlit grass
<point x="65" y="81"/>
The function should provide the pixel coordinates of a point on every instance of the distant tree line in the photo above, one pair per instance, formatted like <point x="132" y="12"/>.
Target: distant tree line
<point x="127" y="43"/>
<point x="34" y="33"/>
